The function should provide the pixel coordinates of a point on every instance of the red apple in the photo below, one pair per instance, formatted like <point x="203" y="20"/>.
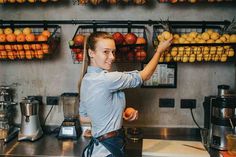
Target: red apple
<point x="76" y="50"/>
<point x="118" y="37"/>
<point x="140" y="55"/>
<point x="79" y="40"/>
<point x="130" y="56"/>
<point x="130" y="38"/>
<point x="79" y="56"/>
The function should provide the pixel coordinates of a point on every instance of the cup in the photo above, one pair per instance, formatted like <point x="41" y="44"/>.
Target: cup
<point x="204" y="137"/>
<point x="231" y="143"/>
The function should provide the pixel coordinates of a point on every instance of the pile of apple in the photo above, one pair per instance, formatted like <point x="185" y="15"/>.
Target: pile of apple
<point x="23" y="1"/>
<point x="129" y="47"/>
<point x="199" y="53"/>
<point x="192" y="1"/>
<point x="17" y="43"/>
<point x="77" y="47"/>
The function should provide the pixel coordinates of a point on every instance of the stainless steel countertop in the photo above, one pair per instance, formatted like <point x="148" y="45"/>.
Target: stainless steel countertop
<point x="49" y="145"/>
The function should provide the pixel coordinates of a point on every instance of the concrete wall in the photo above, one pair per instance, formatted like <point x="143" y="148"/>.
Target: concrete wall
<point x="53" y="77"/>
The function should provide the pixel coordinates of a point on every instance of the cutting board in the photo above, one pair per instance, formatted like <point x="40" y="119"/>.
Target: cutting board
<point x="172" y="148"/>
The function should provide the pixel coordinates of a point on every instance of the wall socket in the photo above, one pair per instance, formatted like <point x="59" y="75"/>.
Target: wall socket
<point x="166" y="102"/>
<point x="188" y="103"/>
<point x="52" y="100"/>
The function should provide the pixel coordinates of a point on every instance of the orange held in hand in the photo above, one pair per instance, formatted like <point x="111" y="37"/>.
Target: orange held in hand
<point x="129" y="111"/>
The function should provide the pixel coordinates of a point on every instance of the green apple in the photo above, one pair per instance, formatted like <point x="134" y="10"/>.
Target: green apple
<point x="71" y="42"/>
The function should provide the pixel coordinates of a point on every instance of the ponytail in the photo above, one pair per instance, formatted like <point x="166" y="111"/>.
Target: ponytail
<point x="85" y="63"/>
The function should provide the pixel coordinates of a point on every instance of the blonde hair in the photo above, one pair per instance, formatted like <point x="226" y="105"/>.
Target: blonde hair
<point x="90" y="43"/>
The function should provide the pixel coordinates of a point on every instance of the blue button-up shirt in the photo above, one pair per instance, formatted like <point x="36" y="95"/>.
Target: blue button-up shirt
<point x="102" y="98"/>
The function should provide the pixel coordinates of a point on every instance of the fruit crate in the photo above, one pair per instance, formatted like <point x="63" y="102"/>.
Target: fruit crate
<point x="196" y="41"/>
<point x="194" y="1"/>
<point x="130" y="39"/>
<point x="28" y="42"/>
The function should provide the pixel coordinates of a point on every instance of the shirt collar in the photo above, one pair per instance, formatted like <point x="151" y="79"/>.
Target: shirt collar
<point x="94" y="69"/>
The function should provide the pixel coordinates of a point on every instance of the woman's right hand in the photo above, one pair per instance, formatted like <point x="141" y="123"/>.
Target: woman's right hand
<point x="164" y="45"/>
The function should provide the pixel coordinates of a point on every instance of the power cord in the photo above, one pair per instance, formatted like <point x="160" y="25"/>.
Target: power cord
<point x="191" y="109"/>
<point x="44" y="123"/>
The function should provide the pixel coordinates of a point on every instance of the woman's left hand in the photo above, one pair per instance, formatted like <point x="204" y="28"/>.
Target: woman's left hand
<point x="132" y="116"/>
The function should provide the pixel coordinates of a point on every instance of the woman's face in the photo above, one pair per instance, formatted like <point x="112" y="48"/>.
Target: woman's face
<point x="103" y="56"/>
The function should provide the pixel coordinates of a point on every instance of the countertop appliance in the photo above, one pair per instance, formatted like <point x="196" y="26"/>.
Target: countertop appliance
<point x="218" y="112"/>
<point x="70" y="127"/>
<point x="173" y="148"/>
<point x="8" y="129"/>
<point x="30" y="125"/>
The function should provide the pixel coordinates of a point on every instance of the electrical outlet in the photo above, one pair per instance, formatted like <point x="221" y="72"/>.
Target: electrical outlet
<point x="188" y="103"/>
<point x="52" y="100"/>
<point x="166" y="102"/>
<point x="36" y="97"/>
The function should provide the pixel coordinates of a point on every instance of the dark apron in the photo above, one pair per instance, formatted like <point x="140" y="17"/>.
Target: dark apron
<point x="114" y="144"/>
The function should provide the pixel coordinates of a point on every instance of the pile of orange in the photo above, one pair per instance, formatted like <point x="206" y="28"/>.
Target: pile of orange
<point x="17" y="43"/>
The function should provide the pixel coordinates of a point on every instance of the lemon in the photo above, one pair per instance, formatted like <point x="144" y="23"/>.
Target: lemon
<point x="166" y="35"/>
<point x="205" y="36"/>
<point x="210" y="31"/>
<point x="210" y="41"/>
<point x="181" y="51"/>
<point x="230" y="52"/>
<point x="174" y="51"/>
<point x="220" y="50"/>
<point x="192" y="58"/>
<point x="187" y="50"/>
<point x="199" y="57"/>
<point x="215" y="58"/>
<point x="215" y="35"/>
<point x="223" y="58"/>
<point x="205" y="50"/>
<point x="232" y="38"/>
<point x="181" y="40"/>
<point x="193" y="34"/>
<point x="185" y="58"/>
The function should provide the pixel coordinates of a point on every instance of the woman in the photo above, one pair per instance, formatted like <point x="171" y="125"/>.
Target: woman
<point x="102" y="101"/>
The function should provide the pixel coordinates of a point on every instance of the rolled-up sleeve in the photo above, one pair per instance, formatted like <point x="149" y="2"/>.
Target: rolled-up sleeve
<point x="122" y="80"/>
<point x="82" y="110"/>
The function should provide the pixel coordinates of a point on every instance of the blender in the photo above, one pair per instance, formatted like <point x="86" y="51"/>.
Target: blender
<point x="70" y="127"/>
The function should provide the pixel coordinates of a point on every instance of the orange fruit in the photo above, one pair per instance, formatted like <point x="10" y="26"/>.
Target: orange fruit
<point x="11" y="37"/>
<point x="46" y="33"/>
<point x="45" y="48"/>
<point x="30" y="37"/>
<point x="2" y="37"/>
<point x="26" y="47"/>
<point x="29" y="54"/>
<point x="39" y="54"/>
<point x="11" y="55"/>
<point x="2" y="47"/>
<point x="21" y="54"/>
<point x="35" y="46"/>
<point x="8" y="47"/>
<point x="3" y="54"/>
<point x="18" y="47"/>
<point x="129" y="111"/>
<point x="20" y="37"/>
<point x="42" y="38"/>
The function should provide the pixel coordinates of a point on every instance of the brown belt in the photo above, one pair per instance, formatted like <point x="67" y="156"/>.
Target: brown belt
<point x="110" y="134"/>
